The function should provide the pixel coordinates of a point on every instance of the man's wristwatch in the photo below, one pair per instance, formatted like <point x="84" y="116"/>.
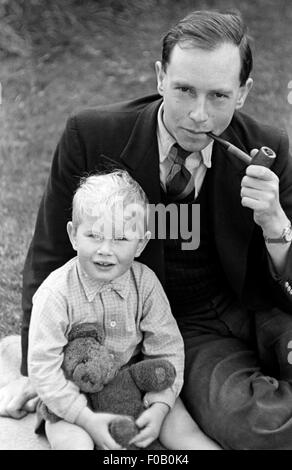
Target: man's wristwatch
<point x="286" y="236"/>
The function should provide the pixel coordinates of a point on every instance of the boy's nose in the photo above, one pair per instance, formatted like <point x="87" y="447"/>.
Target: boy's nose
<point x="105" y="247"/>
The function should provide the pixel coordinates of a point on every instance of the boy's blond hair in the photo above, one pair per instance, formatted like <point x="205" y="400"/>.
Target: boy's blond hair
<point x="112" y="191"/>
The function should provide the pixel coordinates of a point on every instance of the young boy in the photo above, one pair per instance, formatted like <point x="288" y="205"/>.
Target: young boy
<point x="104" y="284"/>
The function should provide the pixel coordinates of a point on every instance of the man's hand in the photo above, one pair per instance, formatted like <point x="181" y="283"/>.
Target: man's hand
<point x="151" y="421"/>
<point x="97" y="426"/>
<point x="17" y="398"/>
<point x="260" y="192"/>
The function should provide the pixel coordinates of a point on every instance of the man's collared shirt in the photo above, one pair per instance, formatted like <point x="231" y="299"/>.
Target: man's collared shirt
<point x="133" y="312"/>
<point x="197" y="162"/>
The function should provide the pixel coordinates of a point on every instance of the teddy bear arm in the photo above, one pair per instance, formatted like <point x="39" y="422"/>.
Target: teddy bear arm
<point x="153" y="375"/>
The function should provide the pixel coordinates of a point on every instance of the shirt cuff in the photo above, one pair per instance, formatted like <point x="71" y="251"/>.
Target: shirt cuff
<point x="77" y="406"/>
<point x="286" y="272"/>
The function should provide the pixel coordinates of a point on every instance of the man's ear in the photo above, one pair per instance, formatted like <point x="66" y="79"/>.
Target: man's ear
<point x="142" y="243"/>
<point x="243" y="92"/>
<point x="160" y="74"/>
<point x="72" y="235"/>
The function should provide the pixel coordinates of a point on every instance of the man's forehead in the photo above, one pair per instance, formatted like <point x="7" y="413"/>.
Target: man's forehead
<point x="188" y="61"/>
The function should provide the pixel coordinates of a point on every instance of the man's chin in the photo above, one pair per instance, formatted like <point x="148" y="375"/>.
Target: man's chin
<point x="193" y="141"/>
<point x="198" y="145"/>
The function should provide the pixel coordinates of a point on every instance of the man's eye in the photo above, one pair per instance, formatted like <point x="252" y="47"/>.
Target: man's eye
<point x="184" y="89"/>
<point x="220" y="96"/>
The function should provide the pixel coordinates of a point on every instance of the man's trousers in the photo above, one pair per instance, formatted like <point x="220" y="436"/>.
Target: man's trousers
<point x="238" y="376"/>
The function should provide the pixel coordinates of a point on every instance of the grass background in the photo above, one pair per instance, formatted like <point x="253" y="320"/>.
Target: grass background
<point x="58" y="57"/>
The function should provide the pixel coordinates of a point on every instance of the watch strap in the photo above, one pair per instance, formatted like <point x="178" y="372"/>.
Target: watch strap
<point x="285" y="237"/>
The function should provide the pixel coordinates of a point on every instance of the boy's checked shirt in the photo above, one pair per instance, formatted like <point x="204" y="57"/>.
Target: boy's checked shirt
<point x="134" y="313"/>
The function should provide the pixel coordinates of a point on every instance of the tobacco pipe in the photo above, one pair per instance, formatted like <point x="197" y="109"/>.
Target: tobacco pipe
<point x="265" y="156"/>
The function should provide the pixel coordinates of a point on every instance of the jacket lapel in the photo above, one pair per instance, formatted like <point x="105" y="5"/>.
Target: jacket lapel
<point x="140" y="156"/>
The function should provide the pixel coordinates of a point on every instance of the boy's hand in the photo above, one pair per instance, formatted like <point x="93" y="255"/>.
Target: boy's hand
<point x="151" y="421"/>
<point x="97" y="426"/>
<point x="17" y="398"/>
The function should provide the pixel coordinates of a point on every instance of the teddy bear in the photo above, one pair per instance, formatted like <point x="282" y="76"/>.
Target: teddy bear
<point x="110" y="387"/>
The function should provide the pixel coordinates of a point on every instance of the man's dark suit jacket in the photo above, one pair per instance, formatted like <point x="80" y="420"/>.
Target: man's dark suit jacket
<point x="126" y="133"/>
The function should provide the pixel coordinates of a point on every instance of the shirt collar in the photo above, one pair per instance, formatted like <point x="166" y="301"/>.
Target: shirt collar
<point x="92" y="287"/>
<point x="166" y="142"/>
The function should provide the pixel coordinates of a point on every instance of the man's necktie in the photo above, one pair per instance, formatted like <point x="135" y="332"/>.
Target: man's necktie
<point x="180" y="182"/>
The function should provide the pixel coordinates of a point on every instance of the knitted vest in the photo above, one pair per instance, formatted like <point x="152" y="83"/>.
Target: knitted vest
<point x="193" y="277"/>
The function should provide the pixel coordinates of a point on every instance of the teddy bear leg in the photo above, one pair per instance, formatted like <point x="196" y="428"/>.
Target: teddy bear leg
<point x="123" y="429"/>
<point x="153" y="374"/>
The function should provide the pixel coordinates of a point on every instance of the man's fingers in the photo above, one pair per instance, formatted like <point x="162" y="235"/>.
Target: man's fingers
<point x="260" y="184"/>
<point x="261" y="172"/>
<point x="254" y="204"/>
<point x="253" y="152"/>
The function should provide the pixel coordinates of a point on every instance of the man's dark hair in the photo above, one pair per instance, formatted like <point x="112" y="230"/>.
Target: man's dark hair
<point x="208" y="30"/>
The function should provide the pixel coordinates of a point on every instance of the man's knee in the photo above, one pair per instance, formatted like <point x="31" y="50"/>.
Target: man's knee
<point x="256" y="414"/>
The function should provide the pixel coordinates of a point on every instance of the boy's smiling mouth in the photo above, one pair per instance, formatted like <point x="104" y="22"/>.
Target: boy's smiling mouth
<point x="103" y="263"/>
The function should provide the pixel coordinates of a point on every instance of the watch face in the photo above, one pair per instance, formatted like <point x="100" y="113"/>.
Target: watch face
<point x="288" y="235"/>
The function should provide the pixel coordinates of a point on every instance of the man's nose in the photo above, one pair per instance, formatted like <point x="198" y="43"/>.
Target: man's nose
<point x="105" y="247"/>
<point x="199" y="112"/>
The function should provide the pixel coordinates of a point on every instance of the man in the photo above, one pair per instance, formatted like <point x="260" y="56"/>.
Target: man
<point x="242" y="268"/>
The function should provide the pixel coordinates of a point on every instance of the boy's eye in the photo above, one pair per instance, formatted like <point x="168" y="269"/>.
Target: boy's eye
<point x="121" y="238"/>
<point x="95" y="236"/>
